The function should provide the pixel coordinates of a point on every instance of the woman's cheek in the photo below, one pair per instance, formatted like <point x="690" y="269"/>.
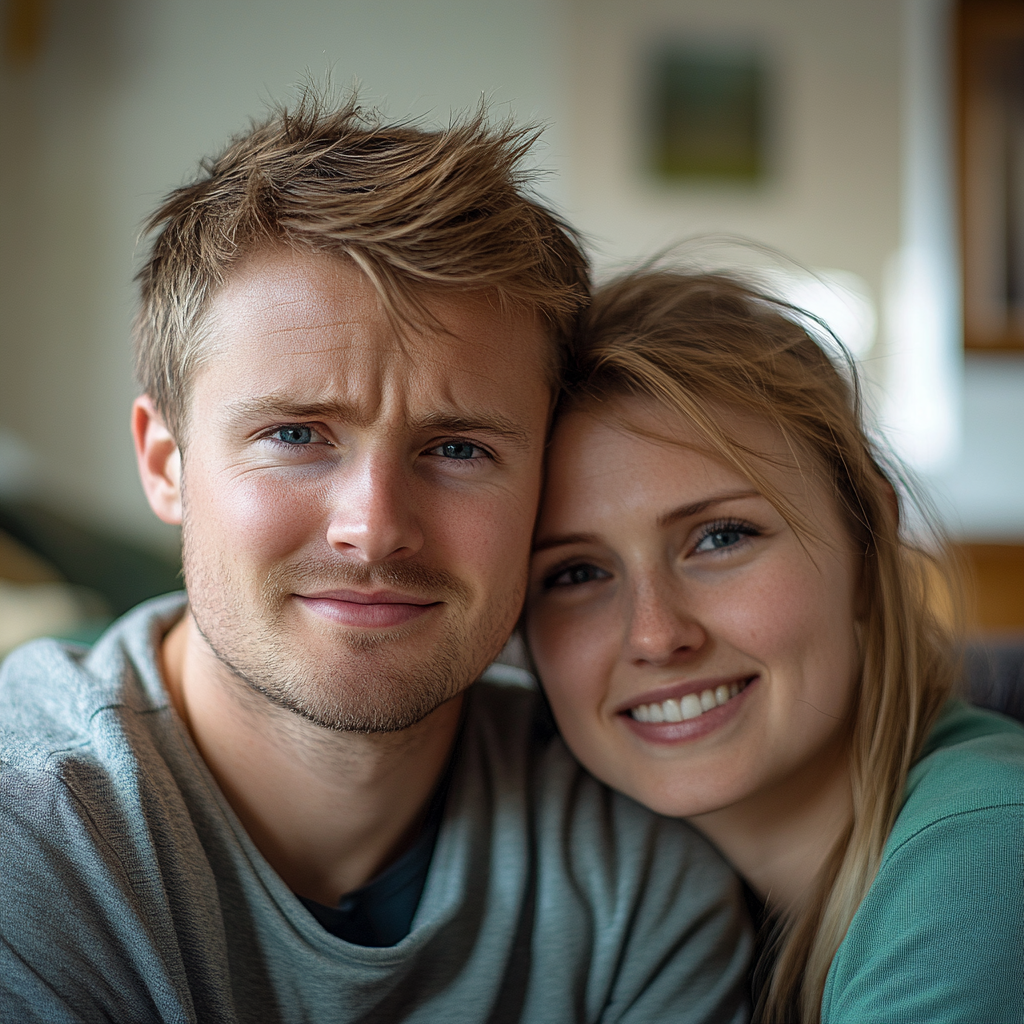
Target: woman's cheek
<point x="575" y="652"/>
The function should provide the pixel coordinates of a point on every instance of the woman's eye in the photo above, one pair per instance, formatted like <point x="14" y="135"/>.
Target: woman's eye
<point x="575" y="575"/>
<point x="721" y="537"/>
<point x="294" y="434"/>
<point x="458" y="450"/>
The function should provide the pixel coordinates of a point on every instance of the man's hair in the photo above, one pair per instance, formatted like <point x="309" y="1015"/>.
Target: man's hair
<point x="416" y="210"/>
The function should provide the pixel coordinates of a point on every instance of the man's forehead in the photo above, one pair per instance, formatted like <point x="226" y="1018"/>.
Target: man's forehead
<point x="302" y="331"/>
<point x="315" y="301"/>
<point x="281" y="289"/>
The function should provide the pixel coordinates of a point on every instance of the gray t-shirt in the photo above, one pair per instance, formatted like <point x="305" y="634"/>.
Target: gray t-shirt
<point x="130" y="892"/>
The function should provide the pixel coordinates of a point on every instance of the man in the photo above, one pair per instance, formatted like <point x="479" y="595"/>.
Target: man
<point x="283" y="800"/>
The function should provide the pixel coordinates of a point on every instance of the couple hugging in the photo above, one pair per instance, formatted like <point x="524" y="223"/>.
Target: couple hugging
<point x="394" y="423"/>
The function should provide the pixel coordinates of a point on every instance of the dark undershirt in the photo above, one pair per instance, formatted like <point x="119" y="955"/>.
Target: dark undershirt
<point x="380" y="913"/>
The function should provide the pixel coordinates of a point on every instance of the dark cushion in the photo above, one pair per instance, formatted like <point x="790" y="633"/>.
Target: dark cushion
<point x="994" y="675"/>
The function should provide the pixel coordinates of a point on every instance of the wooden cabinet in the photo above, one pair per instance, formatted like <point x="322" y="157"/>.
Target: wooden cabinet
<point x="990" y="87"/>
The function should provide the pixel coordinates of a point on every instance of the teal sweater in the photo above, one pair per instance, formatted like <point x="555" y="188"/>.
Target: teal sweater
<point x="940" y="934"/>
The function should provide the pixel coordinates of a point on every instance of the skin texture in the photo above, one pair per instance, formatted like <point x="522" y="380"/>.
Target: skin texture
<point x="356" y="504"/>
<point x="659" y="571"/>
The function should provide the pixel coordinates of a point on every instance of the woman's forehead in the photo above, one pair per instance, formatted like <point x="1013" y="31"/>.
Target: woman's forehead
<point x="642" y="446"/>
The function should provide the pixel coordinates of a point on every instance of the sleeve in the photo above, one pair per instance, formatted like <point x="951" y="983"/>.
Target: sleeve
<point x="76" y="943"/>
<point x="940" y="935"/>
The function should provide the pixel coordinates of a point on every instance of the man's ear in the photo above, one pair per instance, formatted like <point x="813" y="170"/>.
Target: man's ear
<point x="159" y="460"/>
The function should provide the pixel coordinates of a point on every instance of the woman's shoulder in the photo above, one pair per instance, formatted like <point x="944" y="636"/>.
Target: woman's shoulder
<point x="973" y="760"/>
<point x="947" y="906"/>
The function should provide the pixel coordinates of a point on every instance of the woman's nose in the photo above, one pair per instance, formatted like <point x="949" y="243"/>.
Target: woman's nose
<point x="374" y="515"/>
<point x="661" y="628"/>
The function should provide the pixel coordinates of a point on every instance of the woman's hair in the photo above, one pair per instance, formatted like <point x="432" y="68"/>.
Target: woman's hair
<point x="706" y="346"/>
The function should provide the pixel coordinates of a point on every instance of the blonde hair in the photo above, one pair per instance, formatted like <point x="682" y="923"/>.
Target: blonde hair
<point x="414" y="209"/>
<point x="697" y="344"/>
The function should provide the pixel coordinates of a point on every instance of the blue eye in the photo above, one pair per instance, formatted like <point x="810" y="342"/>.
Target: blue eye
<point x="724" y="535"/>
<point x="574" y="575"/>
<point x="457" y="450"/>
<point x="294" y="435"/>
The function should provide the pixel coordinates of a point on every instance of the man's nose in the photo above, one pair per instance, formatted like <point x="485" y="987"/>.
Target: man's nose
<point x="660" y="627"/>
<point x="374" y="513"/>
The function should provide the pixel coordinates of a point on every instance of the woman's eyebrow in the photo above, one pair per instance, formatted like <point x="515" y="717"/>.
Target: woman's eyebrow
<point x="674" y="516"/>
<point x="565" y="538"/>
<point x="697" y="507"/>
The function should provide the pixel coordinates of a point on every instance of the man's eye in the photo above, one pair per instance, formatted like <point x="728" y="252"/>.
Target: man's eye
<point x="574" y="575"/>
<point x="458" y="450"/>
<point x="726" y="536"/>
<point x="294" y="435"/>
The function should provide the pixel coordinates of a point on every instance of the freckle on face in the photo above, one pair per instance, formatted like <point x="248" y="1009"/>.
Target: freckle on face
<point x="779" y="610"/>
<point x="264" y="530"/>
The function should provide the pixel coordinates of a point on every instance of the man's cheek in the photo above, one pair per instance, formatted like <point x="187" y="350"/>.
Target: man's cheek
<point x="492" y="540"/>
<point x="264" y="517"/>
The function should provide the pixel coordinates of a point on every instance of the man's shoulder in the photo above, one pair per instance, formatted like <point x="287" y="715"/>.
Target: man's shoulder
<point x="52" y="693"/>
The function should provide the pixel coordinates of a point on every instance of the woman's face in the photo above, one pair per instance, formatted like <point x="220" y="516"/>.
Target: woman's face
<point x="696" y="651"/>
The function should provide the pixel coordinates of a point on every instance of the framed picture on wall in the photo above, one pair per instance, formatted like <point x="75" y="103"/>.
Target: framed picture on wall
<point x="990" y="43"/>
<point x="705" y="114"/>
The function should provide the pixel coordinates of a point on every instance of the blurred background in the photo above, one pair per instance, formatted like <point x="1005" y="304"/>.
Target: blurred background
<point x="879" y="143"/>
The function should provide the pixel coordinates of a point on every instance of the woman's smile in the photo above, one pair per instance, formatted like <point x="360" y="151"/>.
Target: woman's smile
<point x="698" y="709"/>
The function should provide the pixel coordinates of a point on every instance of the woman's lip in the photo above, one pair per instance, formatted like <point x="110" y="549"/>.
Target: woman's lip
<point x="676" y="691"/>
<point x="366" y="611"/>
<point x="669" y="733"/>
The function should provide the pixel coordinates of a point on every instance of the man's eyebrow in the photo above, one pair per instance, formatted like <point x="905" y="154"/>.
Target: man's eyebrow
<point x="674" y="516"/>
<point x="281" y="407"/>
<point x="493" y="424"/>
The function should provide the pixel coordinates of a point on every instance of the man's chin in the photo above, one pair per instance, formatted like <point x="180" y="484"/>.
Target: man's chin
<point x="367" y="682"/>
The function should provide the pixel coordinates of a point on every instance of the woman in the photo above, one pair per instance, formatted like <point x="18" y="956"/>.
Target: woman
<point x="731" y="628"/>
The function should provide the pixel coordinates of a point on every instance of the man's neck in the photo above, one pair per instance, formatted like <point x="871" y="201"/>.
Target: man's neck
<point x="328" y="810"/>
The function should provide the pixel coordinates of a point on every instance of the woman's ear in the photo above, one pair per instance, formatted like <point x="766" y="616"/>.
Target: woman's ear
<point x="159" y="460"/>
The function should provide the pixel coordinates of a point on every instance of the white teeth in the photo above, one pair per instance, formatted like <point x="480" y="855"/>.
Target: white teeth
<point x="672" y="711"/>
<point x="691" y="706"/>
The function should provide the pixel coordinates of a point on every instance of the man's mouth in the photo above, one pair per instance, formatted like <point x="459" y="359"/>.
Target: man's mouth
<point x="689" y="706"/>
<point x="379" y="609"/>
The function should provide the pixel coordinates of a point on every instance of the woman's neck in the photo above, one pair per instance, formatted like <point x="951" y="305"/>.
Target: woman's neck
<point x="778" y="840"/>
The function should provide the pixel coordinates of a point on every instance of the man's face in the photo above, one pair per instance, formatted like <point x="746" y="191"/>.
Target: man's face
<point x="358" y="500"/>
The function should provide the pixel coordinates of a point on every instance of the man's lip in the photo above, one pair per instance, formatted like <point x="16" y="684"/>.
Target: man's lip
<point x="354" y="609"/>
<point x="676" y="691"/>
<point x="373" y="597"/>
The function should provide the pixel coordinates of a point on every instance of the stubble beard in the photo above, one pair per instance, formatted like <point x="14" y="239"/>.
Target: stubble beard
<point x="379" y="682"/>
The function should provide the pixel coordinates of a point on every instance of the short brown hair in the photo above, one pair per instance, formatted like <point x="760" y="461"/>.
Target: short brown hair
<point x="701" y="344"/>
<point x="415" y="210"/>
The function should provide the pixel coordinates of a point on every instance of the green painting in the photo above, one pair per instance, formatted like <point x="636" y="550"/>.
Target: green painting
<point x="707" y="114"/>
